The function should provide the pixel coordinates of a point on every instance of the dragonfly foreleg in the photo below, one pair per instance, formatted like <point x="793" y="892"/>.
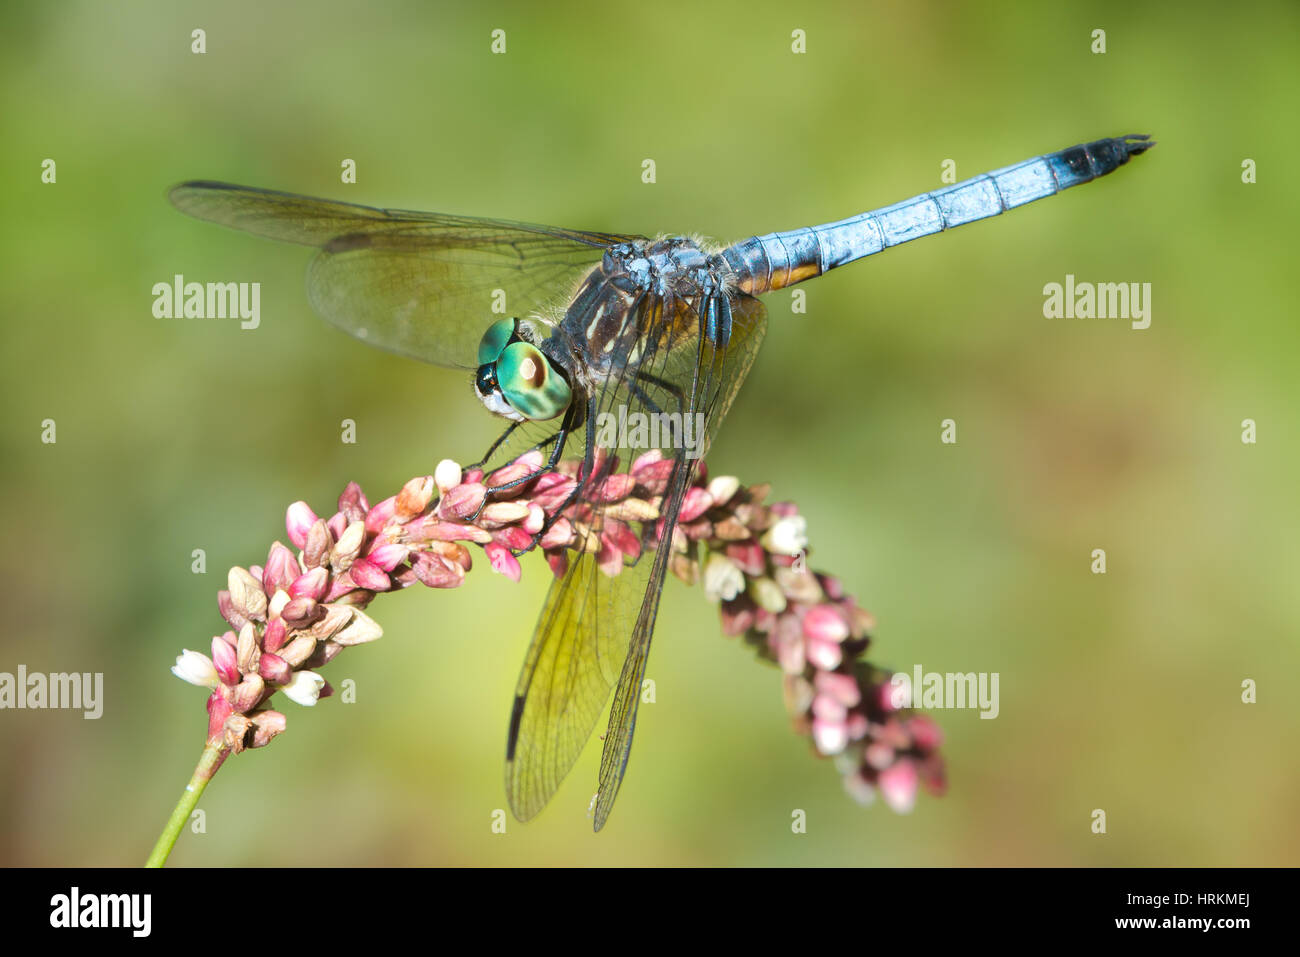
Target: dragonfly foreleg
<point x="559" y="438"/>
<point x="497" y="444"/>
<point x="588" y="464"/>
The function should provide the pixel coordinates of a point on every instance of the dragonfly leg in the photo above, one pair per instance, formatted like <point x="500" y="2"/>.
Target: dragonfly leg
<point x="494" y="446"/>
<point x="667" y="386"/>
<point x="588" y="463"/>
<point x="559" y="439"/>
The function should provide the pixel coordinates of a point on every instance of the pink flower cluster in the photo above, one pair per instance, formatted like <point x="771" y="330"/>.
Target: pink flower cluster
<point x="294" y="613"/>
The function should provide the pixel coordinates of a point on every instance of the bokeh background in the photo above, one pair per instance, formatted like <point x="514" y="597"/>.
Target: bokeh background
<point x="1120" y="692"/>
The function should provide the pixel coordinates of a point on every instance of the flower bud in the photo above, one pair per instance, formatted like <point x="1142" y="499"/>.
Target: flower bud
<point x="503" y="562"/>
<point x="274" y="669"/>
<point x="224" y="660"/>
<point x="298" y="521"/>
<point x="723" y="579"/>
<point x="348" y="546"/>
<point x="281" y="569"/>
<point x="266" y="725"/>
<point x="247" y="650"/>
<point x="413" y="498"/>
<point x="446" y="475"/>
<point x="368" y="575"/>
<point x="248" y="693"/>
<point x="319" y="543"/>
<point x="298" y="650"/>
<point x="246" y="593"/>
<point x="897" y="785"/>
<point x="196" y="668"/>
<point x="305" y="688"/>
<point x="361" y="629"/>
<point x="788" y="536"/>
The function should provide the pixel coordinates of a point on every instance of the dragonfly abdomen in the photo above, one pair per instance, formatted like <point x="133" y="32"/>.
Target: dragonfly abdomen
<point x="764" y="263"/>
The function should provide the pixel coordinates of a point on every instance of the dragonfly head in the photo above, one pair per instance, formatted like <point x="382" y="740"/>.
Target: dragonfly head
<point x="515" y="379"/>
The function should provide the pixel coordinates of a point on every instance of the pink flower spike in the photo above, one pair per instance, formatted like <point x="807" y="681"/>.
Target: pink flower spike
<point x="223" y="659"/>
<point x="298" y="521"/>
<point x="503" y="562"/>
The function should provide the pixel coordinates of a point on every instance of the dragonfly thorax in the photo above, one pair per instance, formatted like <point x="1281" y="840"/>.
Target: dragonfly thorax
<point x="625" y="296"/>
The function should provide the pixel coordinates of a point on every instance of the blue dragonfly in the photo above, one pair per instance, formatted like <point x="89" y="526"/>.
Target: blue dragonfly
<point x="663" y="327"/>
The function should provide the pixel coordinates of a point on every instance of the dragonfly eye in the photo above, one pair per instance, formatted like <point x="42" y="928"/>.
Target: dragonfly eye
<point x="494" y="340"/>
<point x="530" y="383"/>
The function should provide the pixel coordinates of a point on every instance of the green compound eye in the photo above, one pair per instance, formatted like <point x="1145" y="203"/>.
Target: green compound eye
<point x="532" y="387"/>
<point x="494" y="340"/>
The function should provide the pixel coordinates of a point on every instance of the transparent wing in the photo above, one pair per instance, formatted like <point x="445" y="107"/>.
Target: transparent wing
<point x="595" y="629"/>
<point x="419" y="284"/>
<point x="576" y="657"/>
<point x="717" y="376"/>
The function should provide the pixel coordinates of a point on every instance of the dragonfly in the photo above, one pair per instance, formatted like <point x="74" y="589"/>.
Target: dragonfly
<point x="602" y="323"/>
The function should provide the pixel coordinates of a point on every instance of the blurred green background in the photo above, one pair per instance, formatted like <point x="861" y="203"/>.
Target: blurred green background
<point x="1120" y="692"/>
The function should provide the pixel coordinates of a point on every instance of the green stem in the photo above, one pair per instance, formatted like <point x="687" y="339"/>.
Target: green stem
<point x="213" y="755"/>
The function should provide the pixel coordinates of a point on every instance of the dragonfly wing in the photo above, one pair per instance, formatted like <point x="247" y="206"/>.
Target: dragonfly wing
<point x="575" y="658"/>
<point x="595" y="628"/>
<point x="419" y="284"/>
<point x="717" y="376"/>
